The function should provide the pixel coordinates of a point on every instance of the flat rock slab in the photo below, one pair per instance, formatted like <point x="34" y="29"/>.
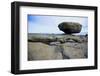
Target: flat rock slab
<point x="41" y="51"/>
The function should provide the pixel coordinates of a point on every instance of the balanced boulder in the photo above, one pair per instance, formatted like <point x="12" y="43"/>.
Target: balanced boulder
<point x="70" y="27"/>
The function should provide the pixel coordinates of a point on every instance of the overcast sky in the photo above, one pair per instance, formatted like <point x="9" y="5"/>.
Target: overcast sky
<point x="49" y="24"/>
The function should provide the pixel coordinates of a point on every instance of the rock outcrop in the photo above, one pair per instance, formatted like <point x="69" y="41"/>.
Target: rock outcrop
<point x="59" y="46"/>
<point x="41" y="51"/>
<point x="47" y="38"/>
<point x="70" y="27"/>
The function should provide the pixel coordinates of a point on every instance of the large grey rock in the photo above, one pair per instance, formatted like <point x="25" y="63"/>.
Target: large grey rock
<point x="57" y="46"/>
<point x="70" y="27"/>
<point x="74" y="50"/>
<point x="41" y="51"/>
